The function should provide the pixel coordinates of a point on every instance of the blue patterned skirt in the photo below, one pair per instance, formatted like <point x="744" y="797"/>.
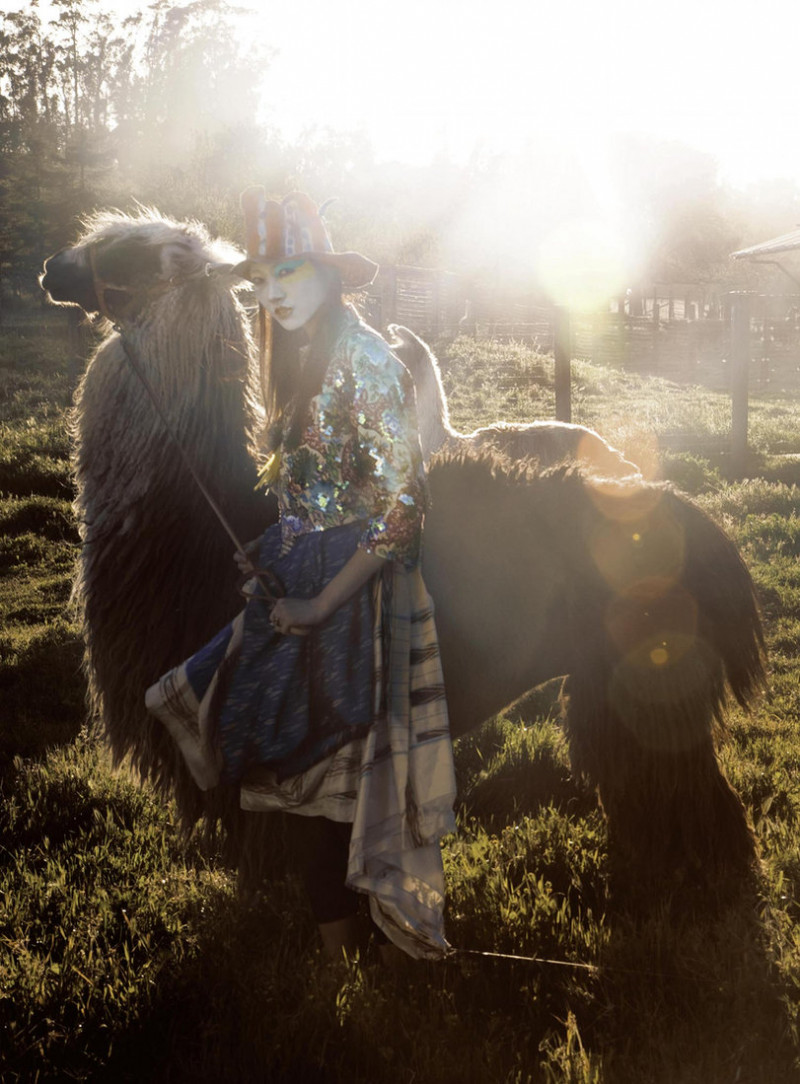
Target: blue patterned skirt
<point x="287" y="702"/>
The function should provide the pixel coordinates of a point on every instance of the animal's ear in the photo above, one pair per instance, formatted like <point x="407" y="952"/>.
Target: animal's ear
<point x="411" y="350"/>
<point x="406" y="337"/>
<point x="179" y="258"/>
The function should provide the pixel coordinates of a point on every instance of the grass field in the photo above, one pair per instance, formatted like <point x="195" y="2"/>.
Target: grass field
<point x="126" y="956"/>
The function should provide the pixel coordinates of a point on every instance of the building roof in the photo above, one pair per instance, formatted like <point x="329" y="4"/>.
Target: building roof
<point x="785" y="243"/>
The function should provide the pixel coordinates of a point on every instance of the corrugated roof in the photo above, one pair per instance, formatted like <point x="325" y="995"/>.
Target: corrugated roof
<point x="785" y="243"/>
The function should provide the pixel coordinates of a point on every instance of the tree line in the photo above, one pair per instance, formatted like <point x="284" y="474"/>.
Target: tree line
<point x="165" y="108"/>
<point x="93" y="113"/>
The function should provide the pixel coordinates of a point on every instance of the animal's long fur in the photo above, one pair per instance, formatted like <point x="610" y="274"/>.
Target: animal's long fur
<point x="549" y="443"/>
<point x="648" y="608"/>
<point x="156" y="575"/>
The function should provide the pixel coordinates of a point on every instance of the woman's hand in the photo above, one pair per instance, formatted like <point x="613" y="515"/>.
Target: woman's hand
<point x="296" y="615"/>
<point x="243" y="558"/>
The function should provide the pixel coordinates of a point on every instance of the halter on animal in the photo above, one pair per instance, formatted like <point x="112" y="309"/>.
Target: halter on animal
<point x="273" y="589"/>
<point x="101" y="287"/>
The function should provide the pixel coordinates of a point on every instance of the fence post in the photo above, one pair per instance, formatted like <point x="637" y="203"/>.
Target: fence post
<point x="562" y="353"/>
<point x="435" y="299"/>
<point x="656" y="326"/>
<point x="740" y="366"/>
<point x="388" y="285"/>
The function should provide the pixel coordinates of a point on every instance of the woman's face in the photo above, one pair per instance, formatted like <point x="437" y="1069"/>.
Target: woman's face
<point x="291" y="291"/>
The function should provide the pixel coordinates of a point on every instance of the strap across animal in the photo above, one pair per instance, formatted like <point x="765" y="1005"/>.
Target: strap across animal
<point x="273" y="589"/>
<point x="101" y="288"/>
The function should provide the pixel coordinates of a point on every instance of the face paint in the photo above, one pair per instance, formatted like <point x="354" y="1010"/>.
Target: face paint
<point x="290" y="290"/>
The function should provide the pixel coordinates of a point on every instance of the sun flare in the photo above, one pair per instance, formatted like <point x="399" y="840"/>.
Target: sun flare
<point x="582" y="264"/>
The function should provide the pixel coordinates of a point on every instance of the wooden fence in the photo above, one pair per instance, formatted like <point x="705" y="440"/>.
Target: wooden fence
<point x="430" y="302"/>
<point x="744" y="335"/>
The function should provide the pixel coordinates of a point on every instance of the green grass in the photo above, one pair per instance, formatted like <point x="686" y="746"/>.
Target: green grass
<point x="125" y="954"/>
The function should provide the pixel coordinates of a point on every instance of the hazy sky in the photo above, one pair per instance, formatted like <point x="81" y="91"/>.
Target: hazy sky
<point x="426" y="75"/>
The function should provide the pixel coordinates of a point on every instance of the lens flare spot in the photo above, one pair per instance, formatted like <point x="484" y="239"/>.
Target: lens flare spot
<point x="650" y="698"/>
<point x="623" y="501"/>
<point x="648" y="549"/>
<point x="653" y="616"/>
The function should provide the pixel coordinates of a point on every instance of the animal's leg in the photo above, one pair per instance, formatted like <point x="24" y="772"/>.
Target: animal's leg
<point x="673" y="818"/>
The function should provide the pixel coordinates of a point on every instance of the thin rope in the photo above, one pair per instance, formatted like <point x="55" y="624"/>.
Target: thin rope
<point x="523" y="959"/>
<point x="594" y="969"/>
<point x="148" y="387"/>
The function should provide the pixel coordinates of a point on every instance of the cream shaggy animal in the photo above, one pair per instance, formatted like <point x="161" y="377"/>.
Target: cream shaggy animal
<point x="549" y="443"/>
<point x="156" y="575"/>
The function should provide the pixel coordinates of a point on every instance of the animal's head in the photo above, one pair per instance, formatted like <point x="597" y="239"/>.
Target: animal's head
<point x="415" y="354"/>
<point x="121" y="262"/>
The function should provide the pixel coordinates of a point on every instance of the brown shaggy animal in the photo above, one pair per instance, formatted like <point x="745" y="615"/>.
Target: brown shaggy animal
<point x="639" y="598"/>
<point x="549" y="443"/>
<point x="625" y="587"/>
<point x="156" y="575"/>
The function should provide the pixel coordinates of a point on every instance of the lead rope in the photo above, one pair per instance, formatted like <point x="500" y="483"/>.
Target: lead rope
<point x="270" y="593"/>
<point x="456" y="952"/>
<point x="201" y="485"/>
<point x="594" y="969"/>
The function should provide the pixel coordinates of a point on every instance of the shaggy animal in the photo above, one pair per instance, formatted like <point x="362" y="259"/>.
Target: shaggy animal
<point x="549" y="443"/>
<point x="625" y="587"/>
<point x="639" y="598"/>
<point x="156" y="575"/>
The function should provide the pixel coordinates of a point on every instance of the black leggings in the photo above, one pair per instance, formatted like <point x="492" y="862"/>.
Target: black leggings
<point x="321" y="847"/>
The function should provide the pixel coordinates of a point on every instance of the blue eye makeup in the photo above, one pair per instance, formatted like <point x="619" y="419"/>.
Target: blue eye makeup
<point x="281" y="270"/>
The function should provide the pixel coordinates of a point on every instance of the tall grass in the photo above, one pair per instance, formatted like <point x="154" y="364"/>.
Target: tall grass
<point x="126" y="955"/>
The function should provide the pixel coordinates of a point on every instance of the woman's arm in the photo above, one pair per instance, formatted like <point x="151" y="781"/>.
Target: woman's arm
<point x="384" y="416"/>
<point x="289" y="614"/>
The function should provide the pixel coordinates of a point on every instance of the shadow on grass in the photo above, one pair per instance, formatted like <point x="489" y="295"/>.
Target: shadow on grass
<point x="691" y="1002"/>
<point x="696" y="999"/>
<point x="258" y="1003"/>
<point x="518" y="763"/>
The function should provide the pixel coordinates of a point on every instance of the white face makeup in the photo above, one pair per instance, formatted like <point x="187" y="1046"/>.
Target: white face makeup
<point x="290" y="290"/>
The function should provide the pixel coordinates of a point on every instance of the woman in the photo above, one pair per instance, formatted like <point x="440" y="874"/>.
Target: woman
<point x="325" y="696"/>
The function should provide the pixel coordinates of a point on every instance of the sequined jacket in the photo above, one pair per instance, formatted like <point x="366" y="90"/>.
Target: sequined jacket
<point x="359" y="456"/>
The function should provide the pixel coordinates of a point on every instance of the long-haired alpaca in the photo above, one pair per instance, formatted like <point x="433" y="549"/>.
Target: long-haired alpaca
<point x="549" y="443"/>
<point x="156" y="574"/>
<point x="624" y="586"/>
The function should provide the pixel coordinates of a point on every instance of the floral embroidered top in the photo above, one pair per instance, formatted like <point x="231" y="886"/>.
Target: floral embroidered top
<point x="359" y="455"/>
